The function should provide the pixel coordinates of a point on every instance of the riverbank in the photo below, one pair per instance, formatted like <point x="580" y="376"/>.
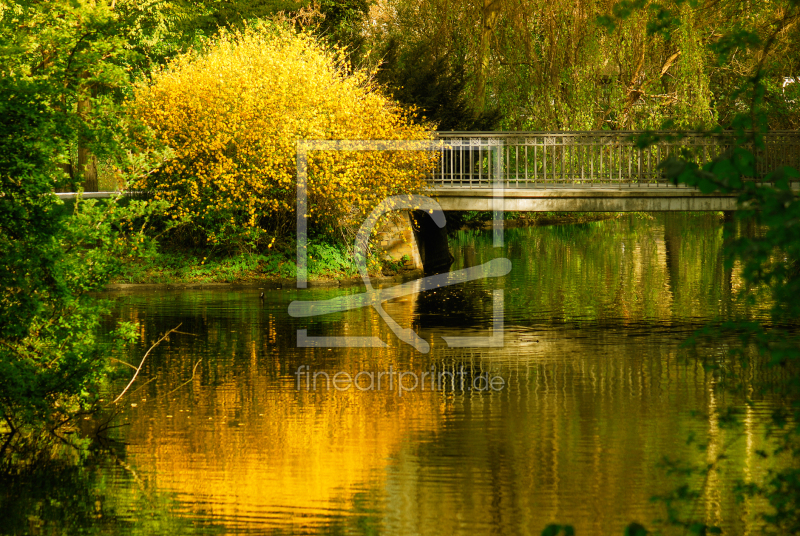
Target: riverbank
<point x="328" y="266"/>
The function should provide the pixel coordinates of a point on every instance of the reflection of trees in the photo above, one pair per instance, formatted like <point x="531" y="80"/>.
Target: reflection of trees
<point x="241" y="441"/>
<point x="455" y="306"/>
<point x="576" y="437"/>
<point x="627" y="269"/>
<point x="672" y="246"/>
<point x="90" y="495"/>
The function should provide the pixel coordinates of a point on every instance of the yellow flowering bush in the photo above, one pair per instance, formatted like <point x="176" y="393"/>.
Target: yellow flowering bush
<point x="232" y="115"/>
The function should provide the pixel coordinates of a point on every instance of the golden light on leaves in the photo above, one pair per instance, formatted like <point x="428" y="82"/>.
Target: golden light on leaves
<point x="233" y="116"/>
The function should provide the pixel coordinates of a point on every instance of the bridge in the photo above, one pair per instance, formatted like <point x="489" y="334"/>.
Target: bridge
<point x="589" y="171"/>
<point x="603" y="171"/>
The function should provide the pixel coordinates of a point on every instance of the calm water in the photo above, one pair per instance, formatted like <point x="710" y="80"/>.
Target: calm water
<point x="591" y="391"/>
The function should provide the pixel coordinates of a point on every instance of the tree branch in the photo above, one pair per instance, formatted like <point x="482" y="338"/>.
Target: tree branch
<point x="167" y="334"/>
<point x="187" y="381"/>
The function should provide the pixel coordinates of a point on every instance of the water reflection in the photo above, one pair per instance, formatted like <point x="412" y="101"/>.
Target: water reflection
<point x="595" y="394"/>
<point x="97" y="492"/>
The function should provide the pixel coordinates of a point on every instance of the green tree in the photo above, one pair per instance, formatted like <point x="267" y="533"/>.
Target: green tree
<point x="342" y="22"/>
<point x="50" y="362"/>
<point x="770" y="257"/>
<point x="82" y="57"/>
<point x="435" y="85"/>
<point x="71" y="51"/>
<point x="556" y="66"/>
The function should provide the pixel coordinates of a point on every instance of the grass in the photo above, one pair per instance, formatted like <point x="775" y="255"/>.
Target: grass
<point x="169" y="267"/>
<point x="325" y="262"/>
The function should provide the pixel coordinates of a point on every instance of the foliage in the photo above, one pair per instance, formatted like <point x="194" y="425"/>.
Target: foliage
<point x="436" y="85"/>
<point x="62" y="68"/>
<point x="154" y="31"/>
<point x="769" y="259"/>
<point x="341" y="23"/>
<point x="51" y="364"/>
<point x="233" y="115"/>
<point x="28" y="217"/>
<point x="566" y="66"/>
<point x="174" y="26"/>
<point x="208" y="17"/>
<point x="76" y="57"/>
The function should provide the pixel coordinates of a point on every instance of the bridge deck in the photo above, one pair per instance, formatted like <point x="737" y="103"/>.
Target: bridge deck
<point x="572" y="199"/>
<point x="588" y="171"/>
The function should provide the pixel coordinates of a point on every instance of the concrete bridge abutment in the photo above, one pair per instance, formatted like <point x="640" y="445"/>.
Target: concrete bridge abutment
<point x="413" y="238"/>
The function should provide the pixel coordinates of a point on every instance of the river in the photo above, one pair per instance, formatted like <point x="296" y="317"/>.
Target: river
<point x="568" y="420"/>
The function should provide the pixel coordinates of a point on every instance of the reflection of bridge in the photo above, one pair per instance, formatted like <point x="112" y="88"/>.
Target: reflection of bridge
<point x="586" y="171"/>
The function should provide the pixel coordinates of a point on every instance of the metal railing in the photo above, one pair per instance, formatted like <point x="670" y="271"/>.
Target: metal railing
<point x="590" y="158"/>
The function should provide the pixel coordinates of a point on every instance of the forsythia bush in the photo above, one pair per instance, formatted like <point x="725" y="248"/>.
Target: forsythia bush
<point x="233" y="114"/>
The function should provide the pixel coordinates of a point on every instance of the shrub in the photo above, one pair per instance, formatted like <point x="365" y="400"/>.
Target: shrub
<point x="233" y="114"/>
<point x="51" y="263"/>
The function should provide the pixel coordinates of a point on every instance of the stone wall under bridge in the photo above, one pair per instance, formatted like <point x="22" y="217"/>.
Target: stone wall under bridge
<point x="414" y="239"/>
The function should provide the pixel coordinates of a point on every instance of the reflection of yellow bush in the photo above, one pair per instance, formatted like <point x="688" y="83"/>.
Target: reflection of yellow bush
<point x="233" y="115"/>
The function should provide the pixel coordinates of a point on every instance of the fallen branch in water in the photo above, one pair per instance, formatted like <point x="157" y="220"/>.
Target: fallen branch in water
<point x="123" y="363"/>
<point x="154" y="378"/>
<point x="187" y="381"/>
<point x="167" y="334"/>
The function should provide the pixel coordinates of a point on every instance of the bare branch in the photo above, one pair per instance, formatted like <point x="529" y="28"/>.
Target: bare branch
<point x="669" y="62"/>
<point x="167" y="334"/>
<point x="124" y="363"/>
<point x="187" y="381"/>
